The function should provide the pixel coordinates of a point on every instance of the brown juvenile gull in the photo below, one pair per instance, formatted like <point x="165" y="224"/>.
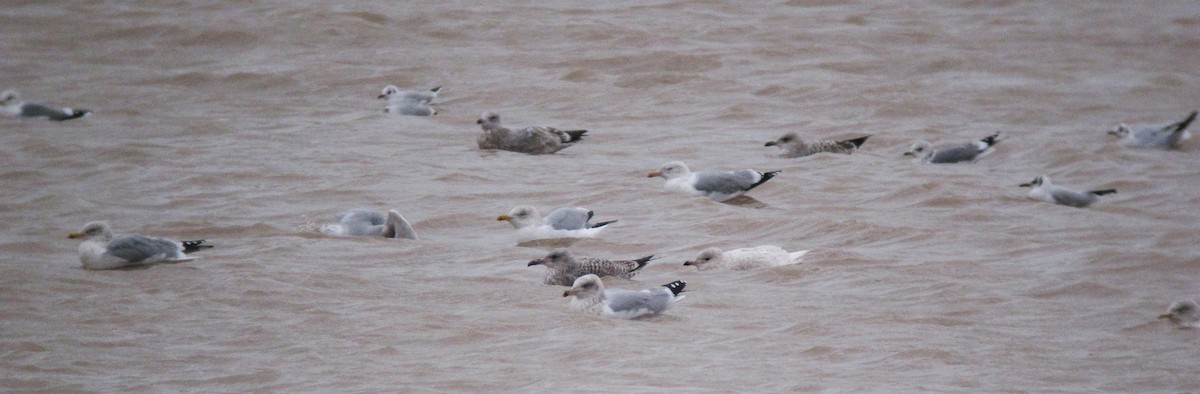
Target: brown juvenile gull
<point x="1043" y="190"/>
<point x="1185" y="314"/>
<point x="925" y="152"/>
<point x="534" y="140"/>
<point x="794" y="146"/>
<point x="1160" y="137"/>
<point x="716" y="185"/>
<point x="745" y="258"/>
<point x="371" y="223"/>
<point x="12" y="106"/>
<point x="102" y="251"/>
<point x="562" y="268"/>
<point x="589" y="296"/>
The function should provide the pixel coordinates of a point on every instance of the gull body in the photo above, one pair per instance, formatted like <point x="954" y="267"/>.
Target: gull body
<point x="11" y="105"/>
<point x="1044" y="190"/>
<point x="745" y="258"/>
<point x="533" y="140"/>
<point x="954" y="153"/>
<point x="794" y="146"/>
<point x="716" y="185"/>
<point x="366" y="222"/>
<point x="563" y="268"/>
<point x="1158" y="137"/>
<point x="588" y="295"/>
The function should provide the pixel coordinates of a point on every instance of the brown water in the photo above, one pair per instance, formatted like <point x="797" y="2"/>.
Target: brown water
<point x="248" y="123"/>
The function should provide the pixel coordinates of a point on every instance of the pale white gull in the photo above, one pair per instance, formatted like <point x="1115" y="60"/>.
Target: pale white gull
<point x="716" y="185"/>
<point x="1160" y="137"/>
<point x="532" y="140"/>
<point x="562" y="268"/>
<point x="565" y="222"/>
<point x="409" y="102"/>
<point x="371" y="223"/>
<point x="101" y="250"/>
<point x="1043" y="190"/>
<point x="589" y="296"/>
<point x="745" y="258"/>
<point x="11" y="105"/>
<point x="956" y="153"/>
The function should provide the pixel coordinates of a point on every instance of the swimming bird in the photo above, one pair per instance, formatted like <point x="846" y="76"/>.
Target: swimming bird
<point x="101" y="250"/>
<point x="565" y="222"/>
<point x="589" y="296"/>
<point x="1161" y="137"/>
<point x="1185" y="314"/>
<point x="1043" y="190"/>
<point x="12" y="105"/>
<point x="794" y="146"/>
<point x="409" y="102"/>
<point x="716" y="185"/>
<point x="372" y="223"/>
<point x="925" y="152"/>
<point x="532" y="140"/>
<point x="562" y="268"/>
<point x="745" y="258"/>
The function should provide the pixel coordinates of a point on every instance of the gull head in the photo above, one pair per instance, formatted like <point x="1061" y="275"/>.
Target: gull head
<point x="489" y="119"/>
<point x="1121" y="130"/>
<point x="10" y="97"/>
<point x="671" y="170"/>
<point x="586" y="286"/>
<point x="1039" y="181"/>
<point x="521" y="216"/>
<point x="706" y="256"/>
<point x="388" y="91"/>
<point x="93" y="230"/>
<point x="785" y="141"/>
<point x="556" y="258"/>
<point x="920" y="150"/>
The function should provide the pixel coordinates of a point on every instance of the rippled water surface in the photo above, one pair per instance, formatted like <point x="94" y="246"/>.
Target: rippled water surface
<point x="251" y="123"/>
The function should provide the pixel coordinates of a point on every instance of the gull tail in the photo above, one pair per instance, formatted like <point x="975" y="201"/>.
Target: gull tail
<point x="73" y="114"/>
<point x="990" y="140"/>
<point x="797" y="256"/>
<point x="857" y="142"/>
<point x="641" y="263"/>
<point x="1183" y="124"/>
<point x="602" y="224"/>
<point x="195" y="245"/>
<point x="766" y="176"/>
<point x="436" y="89"/>
<point x="1103" y="192"/>
<point x="676" y="287"/>
<point x="576" y="135"/>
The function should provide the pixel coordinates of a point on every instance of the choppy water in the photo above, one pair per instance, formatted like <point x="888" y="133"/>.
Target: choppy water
<point x="249" y="123"/>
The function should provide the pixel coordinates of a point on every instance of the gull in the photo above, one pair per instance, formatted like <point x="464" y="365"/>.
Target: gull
<point x="373" y="223"/>
<point x="1161" y="137"/>
<point x="562" y="268"/>
<point x="101" y="251"/>
<point x="794" y="146"/>
<point x="11" y="105"/>
<point x="925" y="152"/>
<point x="589" y="296"/>
<point x="409" y="102"/>
<point x="716" y="185"/>
<point x="392" y="93"/>
<point x="533" y="140"/>
<point x="745" y="258"/>
<point x="565" y="222"/>
<point x="1043" y="190"/>
<point x="1185" y="314"/>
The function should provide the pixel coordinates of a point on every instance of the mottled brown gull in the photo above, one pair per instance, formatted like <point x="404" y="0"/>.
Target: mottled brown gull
<point x="562" y="268"/>
<point x="532" y="140"/>
<point x="794" y="146"/>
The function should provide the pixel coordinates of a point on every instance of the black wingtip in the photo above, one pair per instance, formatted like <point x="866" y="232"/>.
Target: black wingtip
<point x="766" y="176"/>
<point x="1103" y="192"/>
<point x="991" y="139"/>
<point x="642" y="262"/>
<point x="602" y="224"/>
<point x="576" y="135"/>
<point x="858" y="141"/>
<point x="676" y="287"/>
<point x="1184" y="123"/>
<point x="195" y="245"/>
<point x="75" y="114"/>
<point x="436" y="89"/>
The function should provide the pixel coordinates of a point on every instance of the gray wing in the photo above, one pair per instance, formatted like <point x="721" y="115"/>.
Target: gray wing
<point x="726" y="182"/>
<point x="955" y="154"/>
<point x="1072" y="198"/>
<point x="569" y="218"/>
<point x="136" y="248"/>
<point x="362" y="222"/>
<point x="651" y="300"/>
<point x="1157" y="137"/>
